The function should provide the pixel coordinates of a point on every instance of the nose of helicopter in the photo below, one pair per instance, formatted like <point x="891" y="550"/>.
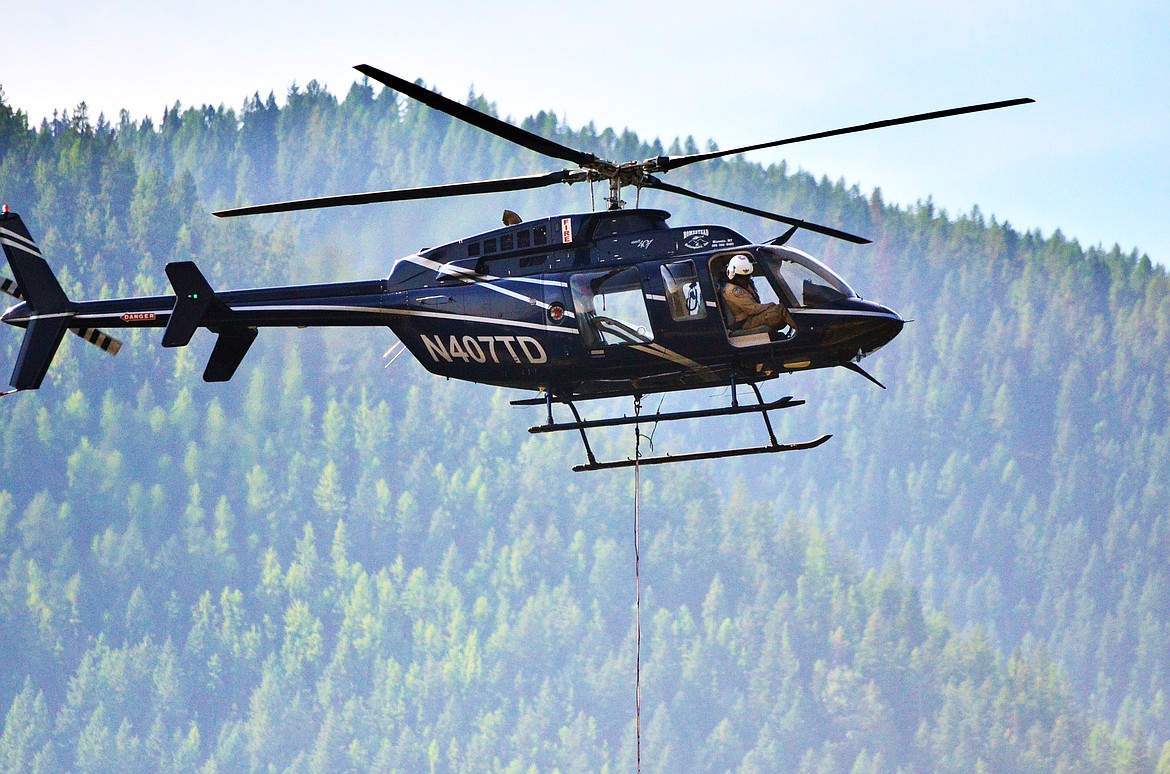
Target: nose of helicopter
<point x="863" y="329"/>
<point x="885" y="325"/>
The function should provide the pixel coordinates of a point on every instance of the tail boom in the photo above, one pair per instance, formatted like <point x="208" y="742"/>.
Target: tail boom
<point x="234" y="315"/>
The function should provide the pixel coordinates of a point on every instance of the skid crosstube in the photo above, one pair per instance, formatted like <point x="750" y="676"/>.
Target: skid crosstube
<point x="782" y="403"/>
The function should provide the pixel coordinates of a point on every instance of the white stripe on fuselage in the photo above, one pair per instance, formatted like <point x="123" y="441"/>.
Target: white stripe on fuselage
<point x="845" y="313"/>
<point x="372" y="310"/>
<point x="32" y="317"/>
<point x="488" y="280"/>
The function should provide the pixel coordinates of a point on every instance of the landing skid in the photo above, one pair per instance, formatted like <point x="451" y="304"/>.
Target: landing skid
<point x="710" y="455"/>
<point x="581" y="425"/>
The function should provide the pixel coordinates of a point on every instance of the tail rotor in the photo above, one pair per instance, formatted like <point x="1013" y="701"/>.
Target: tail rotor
<point x="103" y="341"/>
<point x="46" y="312"/>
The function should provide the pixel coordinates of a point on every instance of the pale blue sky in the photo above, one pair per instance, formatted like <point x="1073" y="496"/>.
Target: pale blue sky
<point x="1092" y="157"/>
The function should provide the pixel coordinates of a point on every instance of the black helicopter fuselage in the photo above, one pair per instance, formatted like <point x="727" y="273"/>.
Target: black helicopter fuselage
<point x="586" y="305"/>
<point x="520" y="306"/>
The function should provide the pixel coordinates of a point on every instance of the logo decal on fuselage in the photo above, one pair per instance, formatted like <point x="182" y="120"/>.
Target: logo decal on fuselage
<point x="696" y="238"/>
<point x="481" y="349"/>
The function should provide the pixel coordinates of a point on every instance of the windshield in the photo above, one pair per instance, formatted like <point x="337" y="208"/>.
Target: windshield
<point x="811" y="282"/>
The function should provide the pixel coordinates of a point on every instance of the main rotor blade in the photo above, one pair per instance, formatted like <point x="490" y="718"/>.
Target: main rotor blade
<point x="403" y="194"/>
<point x="653" y="182"/>
<point x="475" y="118"/>
<point x="674" y="162"/>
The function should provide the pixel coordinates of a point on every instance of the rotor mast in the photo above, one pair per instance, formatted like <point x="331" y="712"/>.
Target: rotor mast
<point x="615" y="194"/>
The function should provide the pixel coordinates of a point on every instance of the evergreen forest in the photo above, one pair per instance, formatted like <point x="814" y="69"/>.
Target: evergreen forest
<point x="331" y="565"/>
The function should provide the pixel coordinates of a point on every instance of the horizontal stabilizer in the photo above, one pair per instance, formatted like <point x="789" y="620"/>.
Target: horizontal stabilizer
<point x="229" y="351"/>
<point x="196" y="305"/>
<point x="194" y="298"/>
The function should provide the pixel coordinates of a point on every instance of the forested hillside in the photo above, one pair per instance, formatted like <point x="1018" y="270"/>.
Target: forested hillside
<point x="327" y="565"/>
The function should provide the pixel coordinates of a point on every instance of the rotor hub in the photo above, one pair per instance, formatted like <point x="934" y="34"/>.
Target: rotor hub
<point x="618" y="176"/>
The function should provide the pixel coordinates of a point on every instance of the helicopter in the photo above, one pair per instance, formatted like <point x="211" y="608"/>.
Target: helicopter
<point x="576" y="307"/>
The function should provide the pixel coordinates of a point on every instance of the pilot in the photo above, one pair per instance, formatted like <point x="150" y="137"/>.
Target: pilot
<point x="743" y="301"/>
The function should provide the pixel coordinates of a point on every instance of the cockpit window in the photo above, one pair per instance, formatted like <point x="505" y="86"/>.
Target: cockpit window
<point x="811" y="282"/>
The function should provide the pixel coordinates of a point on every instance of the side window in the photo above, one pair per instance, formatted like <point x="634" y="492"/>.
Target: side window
<point x="611" y="308"/>
<point x="683" y="295"/>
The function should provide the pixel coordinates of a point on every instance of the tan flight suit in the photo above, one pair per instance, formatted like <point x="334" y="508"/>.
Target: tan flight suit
<point x="745" y="307"/>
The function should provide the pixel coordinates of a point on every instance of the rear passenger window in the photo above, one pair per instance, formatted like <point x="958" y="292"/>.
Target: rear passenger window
<point x="683" y="294"/>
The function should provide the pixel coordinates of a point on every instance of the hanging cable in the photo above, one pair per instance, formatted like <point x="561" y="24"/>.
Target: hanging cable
<point x="638" y="583"/>
<point x="650" y="438"/>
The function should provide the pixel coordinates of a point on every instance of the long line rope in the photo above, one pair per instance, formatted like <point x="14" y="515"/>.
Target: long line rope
<point x="638" y="581"/>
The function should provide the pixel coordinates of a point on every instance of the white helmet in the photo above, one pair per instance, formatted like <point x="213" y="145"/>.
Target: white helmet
<point x="739" y="264"/>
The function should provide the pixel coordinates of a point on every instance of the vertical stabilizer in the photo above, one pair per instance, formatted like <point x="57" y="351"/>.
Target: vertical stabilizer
<point x="37" y="284"/>
<point x="47" y="309"/>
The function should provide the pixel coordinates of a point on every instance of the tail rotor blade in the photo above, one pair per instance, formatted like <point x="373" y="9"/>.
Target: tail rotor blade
<point x="10" y="287"/>
<point x="103" y="341"/>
